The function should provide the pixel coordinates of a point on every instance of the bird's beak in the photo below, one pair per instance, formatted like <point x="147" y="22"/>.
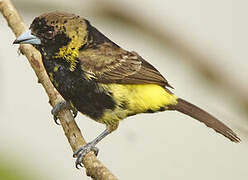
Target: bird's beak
<point x="27" y="38"/>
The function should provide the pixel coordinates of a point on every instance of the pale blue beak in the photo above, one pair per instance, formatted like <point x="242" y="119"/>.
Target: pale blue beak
<point x="27" y="38"/>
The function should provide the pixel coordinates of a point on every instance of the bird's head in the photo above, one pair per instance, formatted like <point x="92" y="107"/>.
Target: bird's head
<point x="56" y="32"/>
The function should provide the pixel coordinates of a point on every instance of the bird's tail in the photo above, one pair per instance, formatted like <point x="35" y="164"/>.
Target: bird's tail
<point x="201" y="115"/>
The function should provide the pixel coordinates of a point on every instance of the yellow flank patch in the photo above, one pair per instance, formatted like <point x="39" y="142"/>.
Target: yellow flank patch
<point x="141" y="97"/>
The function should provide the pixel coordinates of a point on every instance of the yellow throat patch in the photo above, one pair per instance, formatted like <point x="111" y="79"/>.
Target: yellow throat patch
<point x="70" y="53"/>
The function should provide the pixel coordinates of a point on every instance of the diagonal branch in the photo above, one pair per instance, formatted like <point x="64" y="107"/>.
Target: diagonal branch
<point x="94" y="168"/>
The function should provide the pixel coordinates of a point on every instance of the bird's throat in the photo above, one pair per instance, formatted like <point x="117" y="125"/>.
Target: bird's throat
<point x="69" y="54"/>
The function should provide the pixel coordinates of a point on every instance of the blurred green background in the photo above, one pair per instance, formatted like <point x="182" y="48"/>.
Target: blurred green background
<point x="201" y="49"/>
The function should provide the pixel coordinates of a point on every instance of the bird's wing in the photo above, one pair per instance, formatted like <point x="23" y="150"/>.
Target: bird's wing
<point x="120" y="67"/>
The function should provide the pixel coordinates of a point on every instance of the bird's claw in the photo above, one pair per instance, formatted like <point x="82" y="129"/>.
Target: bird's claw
<point x="56" y="120"/>
<point x="60" y="106"/>
<point x="81" y="152"/>
<point x="56" y="109"/>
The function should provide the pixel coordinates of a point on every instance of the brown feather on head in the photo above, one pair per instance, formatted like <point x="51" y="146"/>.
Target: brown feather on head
<point x="49" y="26"/>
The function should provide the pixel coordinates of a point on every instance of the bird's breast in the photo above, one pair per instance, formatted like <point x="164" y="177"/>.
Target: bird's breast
<point x="84" y="94"/>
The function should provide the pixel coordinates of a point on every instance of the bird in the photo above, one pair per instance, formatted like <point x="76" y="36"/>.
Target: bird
<point x="102" y="80"/>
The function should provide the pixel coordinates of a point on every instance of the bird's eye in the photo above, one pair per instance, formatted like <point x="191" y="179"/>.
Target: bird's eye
<point x="49" y="34"/>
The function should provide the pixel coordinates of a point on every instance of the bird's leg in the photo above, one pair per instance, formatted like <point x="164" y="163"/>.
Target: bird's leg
<point x="60" y="106"/>
<point x="82" y="151"/>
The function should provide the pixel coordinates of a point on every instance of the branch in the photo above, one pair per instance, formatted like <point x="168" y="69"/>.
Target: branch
<point x="94" y="168"/>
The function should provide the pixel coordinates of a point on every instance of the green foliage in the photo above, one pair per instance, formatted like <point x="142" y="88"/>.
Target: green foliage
<point x="11" y="171"/>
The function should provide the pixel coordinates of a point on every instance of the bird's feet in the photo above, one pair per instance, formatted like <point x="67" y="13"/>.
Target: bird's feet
<point x="60" y="106"/>
<point x="81" y="152"/>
